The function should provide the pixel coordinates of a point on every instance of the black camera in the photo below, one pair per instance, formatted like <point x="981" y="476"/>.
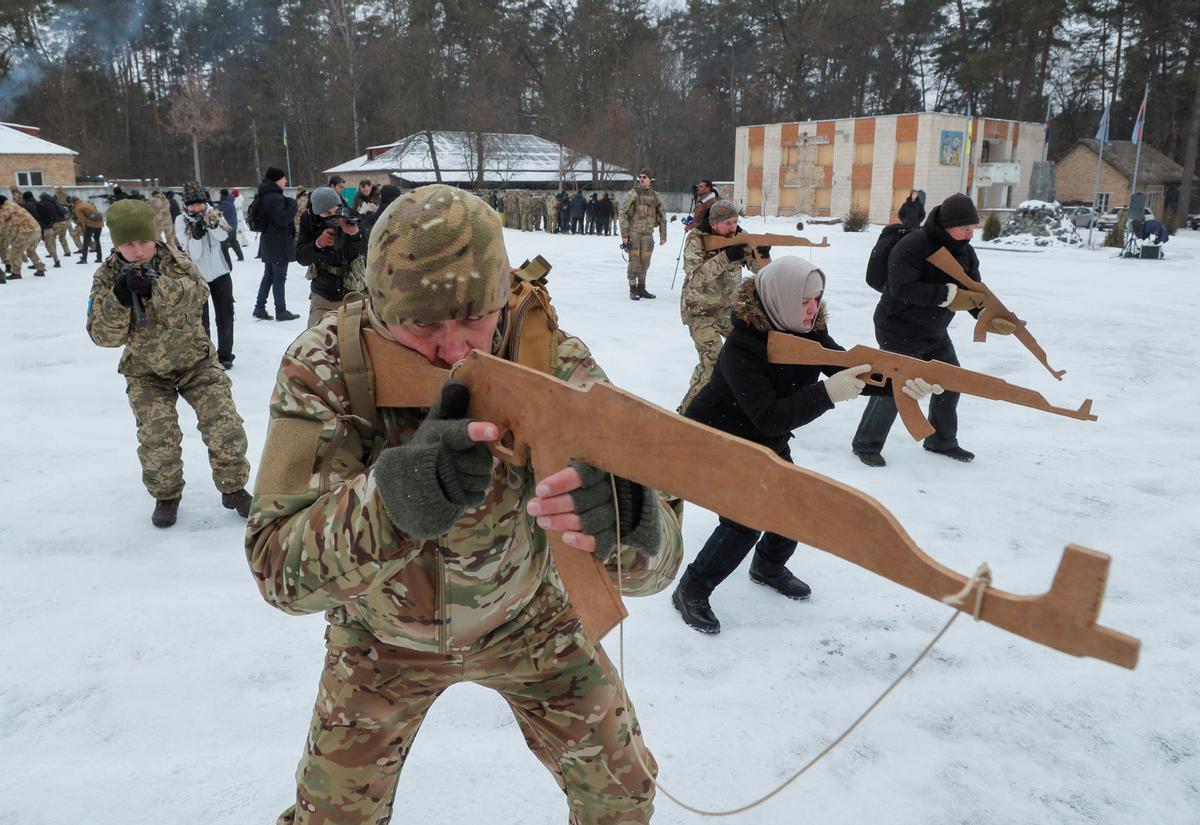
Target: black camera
<point x="344" y="213"/>
<point x="626" y="246"/>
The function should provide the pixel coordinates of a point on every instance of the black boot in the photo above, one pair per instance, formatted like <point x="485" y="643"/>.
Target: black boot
<point x="165" y="512"/>
<point x="692" y="603"/>
<point x="262" y="315"/>
<point x="643" y="293"/>
<point x="634" y="295"/>
<point x="238" y="500"/>
<point x="57" y="265"/>
<point x="286" y="316"/>
<point x="82" y="260"/>
<point x="871" y="459"/>
<point x="39" y="273"/>
<point x="957" y="453"/>
<point x="14" y="276"/>
<point x="781" y="581"/>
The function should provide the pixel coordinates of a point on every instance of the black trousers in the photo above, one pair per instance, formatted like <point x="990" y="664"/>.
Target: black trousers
<point x="881" y="411"/>
<point x="273" y="280"/>
<point x="231" y="243"/>
<point x="576" y="226"/>
<point x="90" y="235"/>
<point x="221" y="291"/>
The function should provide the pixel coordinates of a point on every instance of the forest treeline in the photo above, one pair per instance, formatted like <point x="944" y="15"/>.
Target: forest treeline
<point x="131" y="84"/>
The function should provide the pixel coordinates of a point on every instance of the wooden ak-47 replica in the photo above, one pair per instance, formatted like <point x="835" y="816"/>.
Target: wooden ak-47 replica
<point x="549" y="422"/>
<point x="791" y="349"/>
<point x="753" y="242"/>
<point x="993" y="307"/>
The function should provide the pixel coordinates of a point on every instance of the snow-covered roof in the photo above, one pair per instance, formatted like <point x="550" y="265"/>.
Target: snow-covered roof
<point x="507" y="159"/>
<point x="15" y="142"/>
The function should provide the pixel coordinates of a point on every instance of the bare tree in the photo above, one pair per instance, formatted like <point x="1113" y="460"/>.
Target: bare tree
<point x="196" y="112"/>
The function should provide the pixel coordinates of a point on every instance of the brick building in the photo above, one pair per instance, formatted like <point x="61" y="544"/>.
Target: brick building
<point x="828" y="167"/>
<point x="1075" y="174"/>
<point x="28" y="161"/>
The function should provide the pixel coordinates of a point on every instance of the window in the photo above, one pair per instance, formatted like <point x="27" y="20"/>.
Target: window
<point x="29" y="178"/>
<point x="753" y="198"/>
<point x="860" y="198"/>
<point x="822" y="201"/>
<point x="864" y="153"/>
<point x="825" y="154"/>
<point x="1151" y="200"/>
<point x="791" y="155"/>
<point x="788" y="199"/>
<point x="756" y="153"/>
<point x="1102" y="201"/>
<point x="906" y="153"/>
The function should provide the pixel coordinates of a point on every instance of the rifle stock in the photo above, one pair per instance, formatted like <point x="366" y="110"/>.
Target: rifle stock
<point x="550" y="422"/>
<point x="790" y="349"/>
<point x="993" y="307"/>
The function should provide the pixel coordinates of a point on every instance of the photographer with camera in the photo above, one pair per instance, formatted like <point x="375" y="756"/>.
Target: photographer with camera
<point x="201" y="232"/>
<point x="166" y="355"/>
<point x="704" y="195"/>
<point x="333" y="248"/>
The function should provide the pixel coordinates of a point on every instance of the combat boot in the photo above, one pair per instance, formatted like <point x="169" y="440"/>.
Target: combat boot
<point x="957" y="453"/>
<point x="14" y="275"/>
<point x="165" y="512"/>
<point x="238" y="500"/>
<point x="643" y="293"/>
<point x="691" y="600"/>
<point x="634" y="295"/>
<point x="3" y="280"/>
<point x="781" y="581"/>
<point x="82" y="260"/>
<point x="58" y="265"/>
<point x="39" y="273"/>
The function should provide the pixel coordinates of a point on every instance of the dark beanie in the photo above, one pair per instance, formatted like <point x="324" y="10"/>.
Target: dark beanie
<point x="388" y="193"/>
<point x="274" y="173"/>
<point x="957" y="210"/>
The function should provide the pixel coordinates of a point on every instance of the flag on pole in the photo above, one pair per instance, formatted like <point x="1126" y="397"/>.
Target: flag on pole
<point x="285" y="134"/>
<point x="1102" y="131"/>
<point x="1140" y="123"/>
<point x="970" y="131"/>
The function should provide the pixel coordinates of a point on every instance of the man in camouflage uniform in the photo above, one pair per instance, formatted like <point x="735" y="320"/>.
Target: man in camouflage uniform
<point x="709" y="280"/>
<point x="640" y="214"/>
<point x="21" y="232"/>
<point x="550" y="204"/>
<point x="163" y="224"/>
<point x="429" y="559"/>
<point x="511" y="210"/>
<point x="166" y="356"/>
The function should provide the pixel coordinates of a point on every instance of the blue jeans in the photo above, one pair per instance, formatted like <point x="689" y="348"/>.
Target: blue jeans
<point x="274" y="276"/>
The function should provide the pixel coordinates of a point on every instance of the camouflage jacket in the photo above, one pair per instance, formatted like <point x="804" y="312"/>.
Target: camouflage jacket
<point x="162" y="210"/>
<point x="172" y="340"/>
<point x="641" y="212"/>
<point x="16" y="220"/>
<point x="709" y="278"/>
<point x="318" y="537"/>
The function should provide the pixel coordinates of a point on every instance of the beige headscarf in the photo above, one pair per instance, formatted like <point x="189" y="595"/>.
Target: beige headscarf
<point x="782" y="286"/>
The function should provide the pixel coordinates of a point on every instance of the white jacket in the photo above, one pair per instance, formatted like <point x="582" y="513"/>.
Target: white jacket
<point x="206" y="252"/>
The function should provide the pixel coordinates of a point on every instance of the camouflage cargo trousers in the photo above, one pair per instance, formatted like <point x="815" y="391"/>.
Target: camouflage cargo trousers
<point x="48" y="239"/>
<point x="639" y="257"/>
<point x="76" y="233"/>
<point x="562" y="689"/>
<point x="23" y="244"/>
<point x="708" y="334"/>
<point x="209" y="392"/>
<point x="61" y="229"/>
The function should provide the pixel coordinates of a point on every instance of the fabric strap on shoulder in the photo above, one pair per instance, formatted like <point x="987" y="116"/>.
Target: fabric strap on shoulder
<point x="354" y="359"/>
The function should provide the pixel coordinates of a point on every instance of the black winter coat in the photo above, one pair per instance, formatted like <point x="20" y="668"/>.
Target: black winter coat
<point x="756" y="400"/>
<point x="578" y="205"/>
<point x="908" y="316"/>
<point x="47" y="214"/>
<point x="277" y="243"/>
<point x="346" y="248"/>
<point x="911" y="214"/>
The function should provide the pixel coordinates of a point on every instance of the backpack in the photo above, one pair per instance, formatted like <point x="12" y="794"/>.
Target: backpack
<point x="256" y="216"/>
<point x="877" y="264"/>
<point x="529" y="339"/>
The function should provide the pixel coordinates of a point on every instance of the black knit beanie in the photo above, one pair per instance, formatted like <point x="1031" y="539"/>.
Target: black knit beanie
<point x="274" y="173"/>
<point x="957" y="210"/>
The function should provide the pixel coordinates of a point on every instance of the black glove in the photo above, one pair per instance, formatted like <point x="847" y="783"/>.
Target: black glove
<point x="428" y="483"/>
<point x="140" y="284"/>
<point x="637" y="506"/>
<point x="198" y="229"/>
<point x="735" y="253"/>
<point x="763" y="251"/>
<point x="121" y="289"/>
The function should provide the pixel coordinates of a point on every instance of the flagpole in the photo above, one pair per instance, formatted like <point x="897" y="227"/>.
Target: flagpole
<point x="965" y="152"/>
<point x="1046" y="136"/>
<point x="287" y="152"/>
<point x="1137" y="160"/>
<point x="1102" y="135"/>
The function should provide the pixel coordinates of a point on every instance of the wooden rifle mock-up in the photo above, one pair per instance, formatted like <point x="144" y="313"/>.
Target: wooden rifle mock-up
<point x="993" y="307"/>
<point x="791" y="349"/>
<point x="713" y="243"/>
<point x="548" y="422"/>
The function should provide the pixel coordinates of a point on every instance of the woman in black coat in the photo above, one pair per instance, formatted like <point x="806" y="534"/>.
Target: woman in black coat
<point x="912" y="211"/>
<point x="763" y="402"/>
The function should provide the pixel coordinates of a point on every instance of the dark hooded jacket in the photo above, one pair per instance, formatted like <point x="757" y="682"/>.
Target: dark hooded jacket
<point x="47" y="212"/>
<point x="908" y="317"/>
<point x="327" y="280"/>
<point x="756" y="400"/>
<point x="277" y="242"/>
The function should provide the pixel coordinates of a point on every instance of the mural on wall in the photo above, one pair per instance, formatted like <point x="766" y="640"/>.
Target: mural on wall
<point x="951" y="149"/>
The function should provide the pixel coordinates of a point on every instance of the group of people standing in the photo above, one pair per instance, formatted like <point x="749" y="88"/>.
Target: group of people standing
<point x="558" y="213"/>
<point x="50" y="219"/>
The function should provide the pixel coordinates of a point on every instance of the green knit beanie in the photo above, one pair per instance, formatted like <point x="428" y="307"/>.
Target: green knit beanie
<point x="130" y="220"/>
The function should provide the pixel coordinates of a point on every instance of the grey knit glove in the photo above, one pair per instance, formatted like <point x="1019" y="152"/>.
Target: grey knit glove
<point x="428" y="483"/>
<point x="638" y="511"/>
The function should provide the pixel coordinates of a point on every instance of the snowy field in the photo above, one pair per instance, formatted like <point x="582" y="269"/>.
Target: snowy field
<point x="144" y="681"/>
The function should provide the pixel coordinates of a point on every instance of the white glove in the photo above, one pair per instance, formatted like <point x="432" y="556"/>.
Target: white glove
<point x="845" y="385"/>
<point x="918" y="388"/>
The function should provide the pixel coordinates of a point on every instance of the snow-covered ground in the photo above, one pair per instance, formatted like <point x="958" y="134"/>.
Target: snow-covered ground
<point x="143" y="680"/>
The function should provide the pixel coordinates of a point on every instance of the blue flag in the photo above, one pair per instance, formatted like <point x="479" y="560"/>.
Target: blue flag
<point x="1102" y="131"/>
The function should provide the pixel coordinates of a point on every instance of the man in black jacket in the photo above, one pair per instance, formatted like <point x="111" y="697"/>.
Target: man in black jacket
<point x="331" y="245"/>
<point x="912" y="318"/>
<point x="276" y="244"/>
<point x="47" y="213"/>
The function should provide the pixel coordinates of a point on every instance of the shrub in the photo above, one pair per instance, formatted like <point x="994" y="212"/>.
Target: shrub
<point x="991" y="228"/>
<point x="1116" y="235"/>
<point x="855" y="221"/>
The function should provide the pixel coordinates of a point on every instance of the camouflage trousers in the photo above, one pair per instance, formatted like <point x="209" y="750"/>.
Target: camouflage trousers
<point x="318" y="306"/>
<point x="708" y="334"/>
<point x="76" y="233"/>
<point x="562" y="689"/>
<point x="60" y="235"/>
<point x="23" y="245"/>
<point x="639" y="257"/>
<point x="209" y="392"/>
<point x="48" y="240"/>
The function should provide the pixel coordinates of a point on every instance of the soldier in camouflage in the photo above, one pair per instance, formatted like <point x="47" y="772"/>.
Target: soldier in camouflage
<point x="166" y="356"/>
<point x="163" y="225"/>
<point x="21" y="233"/>
<point x="640" y="214"/>
<point x="709" y="281"/>
<point x="429" y="559"/>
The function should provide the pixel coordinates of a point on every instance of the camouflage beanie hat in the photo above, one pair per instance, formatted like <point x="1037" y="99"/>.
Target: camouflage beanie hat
<point x="722" y="210"/>
<point x="130" y="220"/>
<point x="436" y="254"/>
